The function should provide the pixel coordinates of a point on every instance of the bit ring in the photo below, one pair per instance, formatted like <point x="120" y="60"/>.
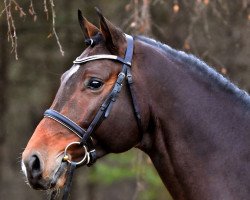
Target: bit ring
<point x="86" y="154"/>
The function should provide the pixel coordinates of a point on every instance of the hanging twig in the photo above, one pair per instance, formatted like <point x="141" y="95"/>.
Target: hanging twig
<point x="11" y="28"/>
<point x="4" y="10"/>
<point x="14" y="35"/>
<point x="53" y="27"/>
<point x="32" y="11"/>
<point x="18" y="8"/>
<point x="46" y="9"/>
<point x="11" y="33"/>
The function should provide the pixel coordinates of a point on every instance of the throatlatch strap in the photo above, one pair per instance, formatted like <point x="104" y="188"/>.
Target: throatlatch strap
<point x="134" y="100"/>
<point x="70" y="173"/>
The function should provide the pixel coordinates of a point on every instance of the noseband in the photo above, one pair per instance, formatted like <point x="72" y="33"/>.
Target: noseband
<point x="104" y="110"/>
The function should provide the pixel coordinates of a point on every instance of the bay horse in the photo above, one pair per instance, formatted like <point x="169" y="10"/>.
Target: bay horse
<point x="192" y="122"/>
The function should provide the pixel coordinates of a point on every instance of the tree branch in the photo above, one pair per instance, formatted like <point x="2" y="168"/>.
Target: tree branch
<point x="53" y="27"/>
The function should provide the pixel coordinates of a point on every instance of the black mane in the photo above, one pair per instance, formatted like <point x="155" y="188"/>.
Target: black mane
<point x="200" y="67"/>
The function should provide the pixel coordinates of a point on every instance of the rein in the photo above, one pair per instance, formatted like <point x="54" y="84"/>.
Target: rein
<point x="103" y="112"/>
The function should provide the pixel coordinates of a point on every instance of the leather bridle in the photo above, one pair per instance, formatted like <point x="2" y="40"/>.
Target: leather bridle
<point x="104" y="110"/>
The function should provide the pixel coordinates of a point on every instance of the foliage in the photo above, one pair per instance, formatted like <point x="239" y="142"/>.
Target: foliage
<point x="132" y="165"/>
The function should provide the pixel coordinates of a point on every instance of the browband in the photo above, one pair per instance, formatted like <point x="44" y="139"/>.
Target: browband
<point x="100" y="57"/>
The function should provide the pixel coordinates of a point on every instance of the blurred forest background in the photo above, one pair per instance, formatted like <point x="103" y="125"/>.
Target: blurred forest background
<point x="32" y="41"/>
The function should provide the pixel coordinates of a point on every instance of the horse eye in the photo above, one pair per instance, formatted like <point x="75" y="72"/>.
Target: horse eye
<point x="94" y="84"/>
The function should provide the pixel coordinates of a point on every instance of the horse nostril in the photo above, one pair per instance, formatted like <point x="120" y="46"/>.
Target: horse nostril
<point x="34" y="167"/>
<point x="35" y="163"/>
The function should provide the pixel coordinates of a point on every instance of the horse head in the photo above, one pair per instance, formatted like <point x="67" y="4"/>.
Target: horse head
<point x="83" y="89"/>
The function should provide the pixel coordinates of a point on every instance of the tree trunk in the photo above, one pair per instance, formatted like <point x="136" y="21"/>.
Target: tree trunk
<point x="3" y="86"/>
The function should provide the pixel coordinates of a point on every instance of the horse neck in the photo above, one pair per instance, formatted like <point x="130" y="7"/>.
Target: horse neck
<point x="196" y="134"/>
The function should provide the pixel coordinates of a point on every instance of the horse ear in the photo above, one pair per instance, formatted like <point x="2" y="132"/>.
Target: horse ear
<point x="114" y="38"/>
<point x="89" y="30"/>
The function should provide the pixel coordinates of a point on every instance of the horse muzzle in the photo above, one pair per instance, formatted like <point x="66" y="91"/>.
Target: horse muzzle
<point x="34" y="171"/>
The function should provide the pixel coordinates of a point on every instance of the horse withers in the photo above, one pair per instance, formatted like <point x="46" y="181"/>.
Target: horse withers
<point x="125" y="92"/>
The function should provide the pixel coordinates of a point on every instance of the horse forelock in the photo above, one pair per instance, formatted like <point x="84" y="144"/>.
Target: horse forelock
<point x="94" y="40"/>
